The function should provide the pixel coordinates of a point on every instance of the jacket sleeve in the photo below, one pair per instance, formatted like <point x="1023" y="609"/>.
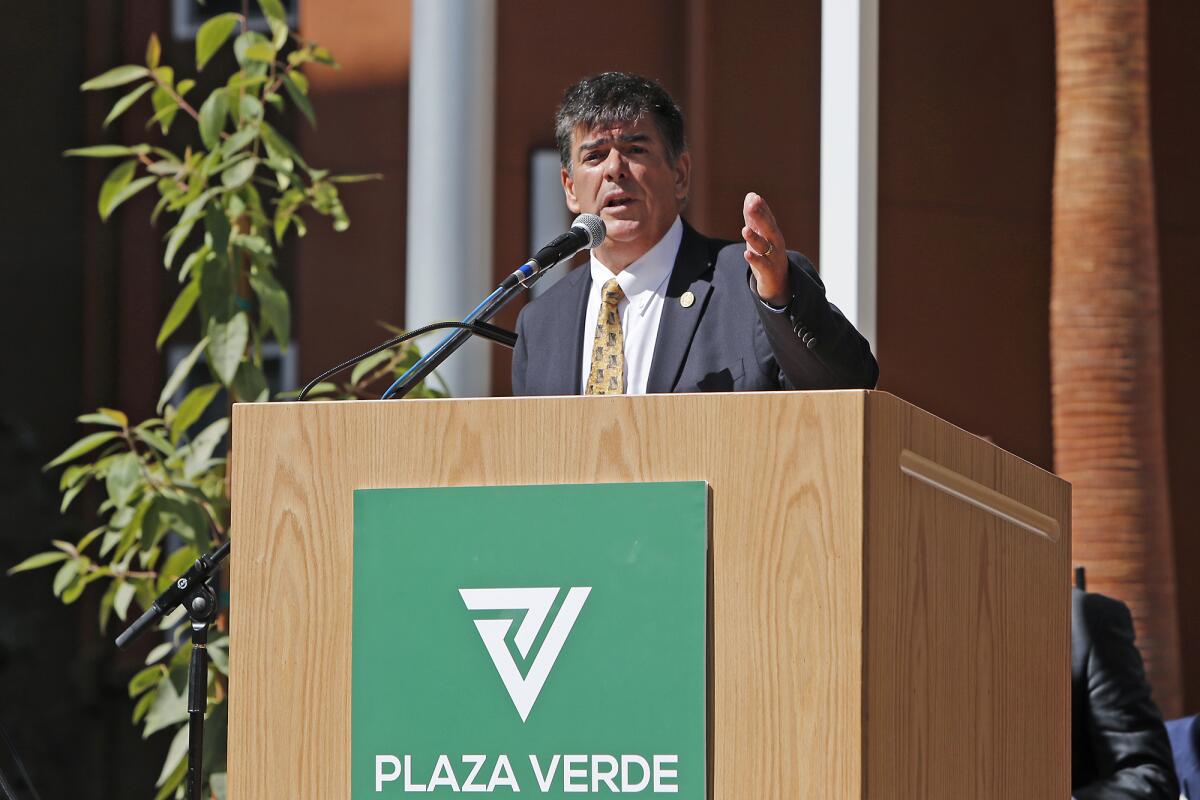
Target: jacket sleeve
<point x="815" y="346"/>
<point x="1125" y="729"/>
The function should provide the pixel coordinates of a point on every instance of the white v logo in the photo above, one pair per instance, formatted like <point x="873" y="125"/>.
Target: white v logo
<point x="536" y="602"/>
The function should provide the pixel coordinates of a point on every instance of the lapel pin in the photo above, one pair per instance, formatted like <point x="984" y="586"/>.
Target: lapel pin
<point x="686" y="299"/>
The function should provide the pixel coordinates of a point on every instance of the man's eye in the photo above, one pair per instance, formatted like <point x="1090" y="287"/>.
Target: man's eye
<point x="592" y="157"/>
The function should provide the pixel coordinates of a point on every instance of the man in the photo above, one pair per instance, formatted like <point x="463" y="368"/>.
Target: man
<point x="662" y="308"/>
<point x="1119" y="747"/>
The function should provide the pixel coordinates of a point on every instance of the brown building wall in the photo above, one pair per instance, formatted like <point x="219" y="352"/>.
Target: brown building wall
<point x="1175" y="120"/>
<point x="347" y="283"/>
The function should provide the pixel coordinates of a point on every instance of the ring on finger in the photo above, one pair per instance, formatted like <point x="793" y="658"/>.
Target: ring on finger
<point x="770" y="249"/>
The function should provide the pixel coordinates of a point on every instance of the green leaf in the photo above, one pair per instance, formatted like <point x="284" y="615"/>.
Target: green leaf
<point x="227" y="345"/>
<point x="117" y="180"/>
<point x="277" y="146"/>
<point x="217" y="225"/>
<point x="217" y="292"/>
<point x="165" y="108"/>
<point x="125" y="193"/>
<point x="122" y="599"/>
<point x="212" y="35"/>
<point x="117" y="76"/>
<point x="171" y="785"/>
<point x="300" y="79"/>
<point x="179" y="311"/>
<point x="123" y="477"/>
<point x="180" y="374"/>
<point x="74" y="473"/>
<point x="169" y="708"/>
<point x="220" y="657"/>
<point x="239" y="173"/>
<point x="84" y="445"/>
<point x="200" y="451"/>
<point x="183" y="517"/>
<point x="299" y="99"/>
<point x="70" y="495"/>
<point x="38" y="561"/>
<point x="98" y="419"/>
<point x="122" y="105"/>
<point x="75" y="588"/>
<point x="106" y="602"/>
<point x="250" y="109"/>
<point x="176" y="754"/>
<point x="239" y="139"/>
<point x="146" y="679"/>
<point x="159" y="652"/>
<point x="212" y="118"/>
<point x="153" y="51"/>
<point x="372" y="176"/>
<point x="274" y="305"/>
<point x="88" y="538"/>
<point x="192" y="408"/>
<point x="107" y="151"/>
<point x="368" y="364"/>
<point x="178" y="234"/>
<point x="243" y="43"/>
<point x="143" y="705"/>
<point x="273" y="10"/>
<point x="197" y="256"/>
<point x="155" y="440"/>
<point x="250" y="385"/>
<point x="66" y="574"/>
<point x="260" y="51"/>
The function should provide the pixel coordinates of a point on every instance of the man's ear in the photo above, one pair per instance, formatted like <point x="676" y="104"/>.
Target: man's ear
<point x="683" y="175"/>
<point x="569" y="191"/>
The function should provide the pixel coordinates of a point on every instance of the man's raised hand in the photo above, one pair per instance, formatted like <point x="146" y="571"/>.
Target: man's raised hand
<point x="765" y="251"/>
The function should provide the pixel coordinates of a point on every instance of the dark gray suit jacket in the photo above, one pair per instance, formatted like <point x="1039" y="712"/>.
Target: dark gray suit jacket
<point x="725" y="341"/>
<point x="1119" y="745"/>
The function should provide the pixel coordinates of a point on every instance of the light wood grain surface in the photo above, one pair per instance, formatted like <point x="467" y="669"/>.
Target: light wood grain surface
<point x="839" y="646"/>
<point x="968" y="615"/>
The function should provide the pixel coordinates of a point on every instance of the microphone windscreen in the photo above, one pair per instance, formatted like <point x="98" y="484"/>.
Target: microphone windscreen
<point x="593" y="225"/>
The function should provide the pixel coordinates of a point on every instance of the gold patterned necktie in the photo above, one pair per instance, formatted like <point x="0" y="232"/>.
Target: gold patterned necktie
<point x="607" y="375"/>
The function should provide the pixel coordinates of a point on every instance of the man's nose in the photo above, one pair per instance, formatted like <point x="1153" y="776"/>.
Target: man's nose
<point x="615" y="166"/>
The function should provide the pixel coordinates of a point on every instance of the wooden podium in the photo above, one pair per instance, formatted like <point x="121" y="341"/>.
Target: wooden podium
<point x="889" y="599"/>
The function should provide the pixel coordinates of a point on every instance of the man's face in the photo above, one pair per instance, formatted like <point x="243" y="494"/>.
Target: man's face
<point x="622" y="173"/>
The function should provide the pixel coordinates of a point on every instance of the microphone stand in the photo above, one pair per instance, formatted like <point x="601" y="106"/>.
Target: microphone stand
<point x="193" y="591"/>
<point x="513" y="284"/>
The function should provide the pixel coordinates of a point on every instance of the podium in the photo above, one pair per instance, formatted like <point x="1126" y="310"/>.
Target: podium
<point x="888" y="595"/>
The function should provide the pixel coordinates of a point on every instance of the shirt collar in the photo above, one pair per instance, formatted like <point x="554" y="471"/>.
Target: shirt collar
<point x="647" y="276"/>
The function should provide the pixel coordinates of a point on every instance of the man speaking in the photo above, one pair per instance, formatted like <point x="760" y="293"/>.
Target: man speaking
<point x="662" y="308"/>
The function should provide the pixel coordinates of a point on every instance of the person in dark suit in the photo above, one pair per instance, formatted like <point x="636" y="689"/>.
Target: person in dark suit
<point x="1119" y="745"/>
<point x="661" y="307"/>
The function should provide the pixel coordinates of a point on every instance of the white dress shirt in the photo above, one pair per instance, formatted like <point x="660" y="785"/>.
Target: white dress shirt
<point x="644" y="283"/>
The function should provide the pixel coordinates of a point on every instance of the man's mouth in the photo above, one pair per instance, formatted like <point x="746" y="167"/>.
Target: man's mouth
<point x="618" y="201"/>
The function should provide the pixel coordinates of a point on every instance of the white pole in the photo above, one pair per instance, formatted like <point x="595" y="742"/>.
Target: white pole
<point x="849" y="157"/>
<point x="452" y="99"/>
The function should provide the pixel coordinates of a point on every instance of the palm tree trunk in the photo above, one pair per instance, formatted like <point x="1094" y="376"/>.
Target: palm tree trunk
<point x="1106" y="325"/>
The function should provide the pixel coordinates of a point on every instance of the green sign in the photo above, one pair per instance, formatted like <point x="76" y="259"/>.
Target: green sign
<point x="544" y="640"/>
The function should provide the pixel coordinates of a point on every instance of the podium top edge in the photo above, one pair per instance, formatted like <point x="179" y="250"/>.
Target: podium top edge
<point x="582" y="398"/>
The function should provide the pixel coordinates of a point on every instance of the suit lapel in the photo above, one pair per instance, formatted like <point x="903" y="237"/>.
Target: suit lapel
<point x="564" y="361"/>
<point x="691" y="273"/>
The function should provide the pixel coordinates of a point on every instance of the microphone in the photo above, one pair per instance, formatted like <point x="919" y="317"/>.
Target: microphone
<point x="587" y="232"/>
